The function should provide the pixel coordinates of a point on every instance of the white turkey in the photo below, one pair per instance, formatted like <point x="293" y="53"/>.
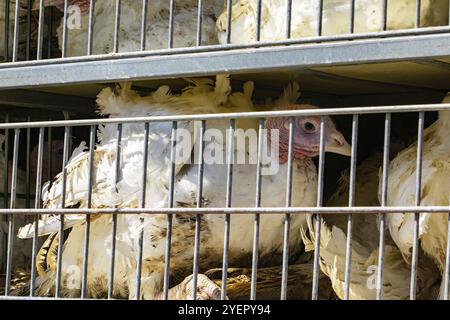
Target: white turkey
<point x="157" y="27"/>
<point x="203" y="96"/>
<point x="434" y="192"/>
<point x="336" y="18"/>
<point x="365" y="244"/>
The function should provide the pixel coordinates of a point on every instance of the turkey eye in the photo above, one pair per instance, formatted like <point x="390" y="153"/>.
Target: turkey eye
<point x="309" y="126"/>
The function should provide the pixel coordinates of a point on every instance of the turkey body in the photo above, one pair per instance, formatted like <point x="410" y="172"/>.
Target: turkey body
<point x="434" y="192"/>
<point x="183" y="231"/>
<point x="129" y="37"/>
<point x="335" y="18"/>
<point x="365" y="244"/>
<point x="203" y="96"/>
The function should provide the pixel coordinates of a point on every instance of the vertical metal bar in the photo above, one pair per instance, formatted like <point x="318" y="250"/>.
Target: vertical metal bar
<point x="5" y="193"/>
<point x="88" y="216"/>
<point x="287" y="218"/>
<point x="171" y="16"/>
<point x="351" y="203"/>
<point x="417" y="20"/>
<point x="37" y="206"/>
<point x="320" y="18"/>
<point x="6" y="34"/>
<point x="229" y="19"/>
<point x="170" y="216"/>
<point x="199" y="205"/>
<point x="64" y="41"/>
<point x="27" y="168"/>
<point x="384" y="190"/>
<point x="63" y="205"/>
<point x="199" y="23"/>
<point x="352" y="16"/>
<point x="28" y="35"/>
<point x="90" y="27"/>
<point x="415" y="253"/>
<point x="50" y="33"/>
<point x="50" y="154"/>
<point x="40" y="39"/>
<point x="144" y="24"/>
<point x="141" y="234"/>
<point x="11" y="216"/>
<point x="288" y="18"/>
<point x="258" y="20"/>
<point x="6" y="168"/>
<point x="257" y="216"/>
<point x="384" y="13"/>
<point x="447" y="263"/>
<point x="117" y="26"/>
<point x="114" y="216"/>
<point x="16" y="31"/>
<point x="316" y="270"/>
<point x="226" y="237"/>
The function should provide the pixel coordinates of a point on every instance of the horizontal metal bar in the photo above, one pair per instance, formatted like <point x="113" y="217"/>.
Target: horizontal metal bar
<point x="236" y="115"/>
<point x="240" y="210"/>
<point x="228" y="47"/>
<point x="244" y="60"/>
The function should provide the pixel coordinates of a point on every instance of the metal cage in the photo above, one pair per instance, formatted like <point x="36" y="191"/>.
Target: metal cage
<point x="36" y="74"/>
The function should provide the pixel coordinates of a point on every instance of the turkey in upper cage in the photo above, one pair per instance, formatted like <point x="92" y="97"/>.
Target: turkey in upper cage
<point x="157" y="25"/>
<point x="334" y="19"/>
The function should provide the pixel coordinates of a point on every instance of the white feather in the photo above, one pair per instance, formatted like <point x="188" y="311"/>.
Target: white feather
<point x="336" y="17"/>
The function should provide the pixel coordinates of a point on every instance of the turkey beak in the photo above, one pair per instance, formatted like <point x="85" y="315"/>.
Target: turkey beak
<point x="336" y="143"/>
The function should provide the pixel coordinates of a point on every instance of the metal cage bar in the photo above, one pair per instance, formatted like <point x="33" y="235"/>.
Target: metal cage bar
<point x="114" y="216"/>
<point x="142" y="204"/>
<point x="318" y="227"/>
<point x="37" y="205"/>
<point x="144" y="24"/>
<point x="90" y="27"/>
<point x="199" y="199"/>
<point x="226" y="9"/>
<point x="63" y="205"/>
<point x="255" y="251"/>
<point x="384" y="198"/>
<point x="171" y="21"/>
<point x="88" y="217"/>
<point x="287" y="218"/>
<point x="237" y="115"/>
<point x="65" y="31"/>
<point x="415" y="253"/>
<point x="11" y="217"/>
<point x="117" y="26"/>
<point x="257" y="210"/>
<point x="226" y="238"/>
<point x="170" y="216"/>
<point x="351" y="203"/>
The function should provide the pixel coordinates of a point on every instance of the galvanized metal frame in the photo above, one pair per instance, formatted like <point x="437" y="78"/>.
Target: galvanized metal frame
<point x="194" y="62"/>
<point x="351" y="48"/>
<point x="229" y="211"/>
